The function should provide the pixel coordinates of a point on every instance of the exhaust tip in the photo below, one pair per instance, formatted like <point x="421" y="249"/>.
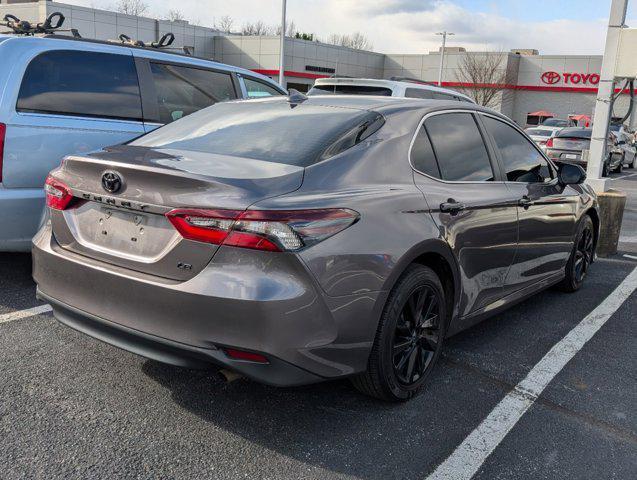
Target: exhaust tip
<point x="229" y="376"/>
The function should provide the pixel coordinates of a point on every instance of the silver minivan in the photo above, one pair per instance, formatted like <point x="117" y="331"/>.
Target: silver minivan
<point x="61" y="95"/>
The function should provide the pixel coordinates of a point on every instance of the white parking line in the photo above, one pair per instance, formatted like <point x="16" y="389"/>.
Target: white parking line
<point x="630" y="256"/>
<point x="624" y="176"/>
<point x="29" y="312"/>
<point x="469" y="456"/>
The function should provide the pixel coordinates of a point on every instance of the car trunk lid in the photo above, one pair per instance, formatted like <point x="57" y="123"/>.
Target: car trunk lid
<point x="571" y="143"/>
<point x="127" y="227"/>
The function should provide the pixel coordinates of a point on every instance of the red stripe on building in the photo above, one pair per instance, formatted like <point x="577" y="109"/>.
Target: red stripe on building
<point x="529" y="88"/>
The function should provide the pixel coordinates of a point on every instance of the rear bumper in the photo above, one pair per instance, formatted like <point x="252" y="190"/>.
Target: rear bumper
<point x="276" y="372"/>
<point x="242" y="300"/>
<point x="21" y="213"/>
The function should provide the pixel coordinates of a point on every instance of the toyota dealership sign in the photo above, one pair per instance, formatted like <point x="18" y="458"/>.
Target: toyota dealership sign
<point x="569" y="78"/>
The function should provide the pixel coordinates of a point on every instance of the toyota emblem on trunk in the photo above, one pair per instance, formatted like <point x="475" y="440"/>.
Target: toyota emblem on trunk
<point x="111" y="182"/>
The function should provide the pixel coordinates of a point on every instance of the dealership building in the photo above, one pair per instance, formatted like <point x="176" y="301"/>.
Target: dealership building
<point x="561" y="84"/>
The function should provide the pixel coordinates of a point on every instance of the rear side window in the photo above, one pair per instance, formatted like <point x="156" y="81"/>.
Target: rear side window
<point x="349" y="90"/>
<point x="185" y="90"/>
<point x="419" y="93"/>
<point x="422" y="155"/>
<point x="522" y="162"/>
<point x="459" y="147"/>
<point x="257" y="89"/>
<point x="269" y="130"/>
<point x="81" y="83"/>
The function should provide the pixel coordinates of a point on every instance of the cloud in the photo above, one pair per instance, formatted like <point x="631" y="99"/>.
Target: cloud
<point x="401" y="26"/>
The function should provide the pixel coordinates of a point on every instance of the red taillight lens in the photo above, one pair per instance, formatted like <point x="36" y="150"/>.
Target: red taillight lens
<point x="58" y="195"/>
<point x="549" y="142"/>
<point x="275" y="231"/>
<point x="243" y="355"/>
<point x="3" y="134"/>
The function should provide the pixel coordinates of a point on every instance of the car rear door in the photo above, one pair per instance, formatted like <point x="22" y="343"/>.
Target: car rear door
<point x="172" y="90"/>
<point x="473" y="208"/>
<point x="546" y="210"/>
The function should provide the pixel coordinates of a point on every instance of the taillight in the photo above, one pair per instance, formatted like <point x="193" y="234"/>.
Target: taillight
<point x="275" y="230"/>
<point x="58" y="195"/>
<point x="3" y="134"/>
<point x="549" y="142"/>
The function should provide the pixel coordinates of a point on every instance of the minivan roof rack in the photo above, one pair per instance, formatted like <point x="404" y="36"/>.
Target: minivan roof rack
<point x="50" y="26"/>
<point x="410" y="80"/>
<point x="165" y="41"/>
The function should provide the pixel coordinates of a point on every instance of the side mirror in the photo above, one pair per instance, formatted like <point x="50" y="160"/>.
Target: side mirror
<point x="570" y="174"/>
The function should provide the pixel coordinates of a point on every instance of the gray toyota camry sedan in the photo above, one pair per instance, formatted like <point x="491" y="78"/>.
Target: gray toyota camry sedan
<point x="295" y="240"/>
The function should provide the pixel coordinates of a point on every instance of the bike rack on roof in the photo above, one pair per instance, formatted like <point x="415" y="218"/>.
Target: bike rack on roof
<point x="50" y="26"/>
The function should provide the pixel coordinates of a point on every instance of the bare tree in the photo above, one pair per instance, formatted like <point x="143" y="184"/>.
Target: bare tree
<point x="132" y="7"/>
<point x="225" y="24"/>
<point x="175" y="16"/>
<point x="257" y="28"/>
<point x="355" y="40"/>
<point x="484" y="78"/>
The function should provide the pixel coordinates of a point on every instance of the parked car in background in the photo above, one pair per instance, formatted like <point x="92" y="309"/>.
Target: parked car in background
<point x="567" y="146"/>
<point x="540" y="135"/>
<point x="296" y="240"/>
<point x="62" y="95"/>
<point x="624" y="145"/>
<point x="556" y="123"/>
<point x="386" y="88"/>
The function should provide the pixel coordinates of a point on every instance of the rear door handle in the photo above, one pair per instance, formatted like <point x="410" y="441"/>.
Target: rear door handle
<point x="452" y="207"/>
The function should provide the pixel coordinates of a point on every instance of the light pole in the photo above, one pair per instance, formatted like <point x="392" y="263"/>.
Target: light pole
<point x="442" y="54"/>
<point x="282" y="55"/>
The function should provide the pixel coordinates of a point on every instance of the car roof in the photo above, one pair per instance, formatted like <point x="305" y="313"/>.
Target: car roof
<point x="378" y="82"/>
<point x="386" y="105"/>
<point x="146" y="52"/>
<point x="575" y="131"/>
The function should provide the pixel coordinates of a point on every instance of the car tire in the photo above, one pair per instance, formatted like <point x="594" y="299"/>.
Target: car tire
<point x="605" y="169"/>
<point x="581" y="256"/>
<point x="405" y="351"/>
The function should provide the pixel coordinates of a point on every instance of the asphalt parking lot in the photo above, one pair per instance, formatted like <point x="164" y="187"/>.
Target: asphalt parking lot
<point x="72" y="407"/>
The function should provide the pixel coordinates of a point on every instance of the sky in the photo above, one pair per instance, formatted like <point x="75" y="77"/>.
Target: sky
<point x="409" y="26"/>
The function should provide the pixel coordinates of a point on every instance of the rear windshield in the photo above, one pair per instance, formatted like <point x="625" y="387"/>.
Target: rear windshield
<point x="538" y="132"/>
<point x="575" y="133"/>
<point x="279" y="132"/>
<point x="554" y="122"/>
<point x="349" y="90"/>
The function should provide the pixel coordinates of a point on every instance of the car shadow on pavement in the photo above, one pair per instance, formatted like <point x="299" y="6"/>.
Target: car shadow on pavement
<point x="330" y="425"/>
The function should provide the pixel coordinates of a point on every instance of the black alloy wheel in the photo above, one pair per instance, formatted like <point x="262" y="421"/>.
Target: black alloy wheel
<point x="583" y="253"/>
<point x="581" y="257"/>
<point x="417" y="336"/>
<point x="408" y="339"/>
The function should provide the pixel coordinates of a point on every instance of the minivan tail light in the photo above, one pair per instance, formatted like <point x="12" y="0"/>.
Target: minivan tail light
<point x="269" y="230"/>
<point x="58" y="195"/>
<point x="549" y="142"/>
<point x="3" y="134"/>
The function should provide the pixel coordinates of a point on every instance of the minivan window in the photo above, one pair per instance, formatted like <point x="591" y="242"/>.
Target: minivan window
<point x="459" y="147"/>
<point x="185" y="90"/>
<point x="419" y="93"/>
<point x="349" y="90"/>
<point x="257" y="89"/>
<point x="422" y="155"/>
<point x="521" y="160"/>
<point x="270" y="130"/>
<point x="81" y="83"/>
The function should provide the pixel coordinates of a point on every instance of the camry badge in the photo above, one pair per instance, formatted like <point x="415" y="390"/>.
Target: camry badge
<point x="111" y="182"/>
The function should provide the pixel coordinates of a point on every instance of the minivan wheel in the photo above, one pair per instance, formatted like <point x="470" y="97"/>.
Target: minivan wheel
<point x="409" y="337"/>
<point x="581" y="256"/>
